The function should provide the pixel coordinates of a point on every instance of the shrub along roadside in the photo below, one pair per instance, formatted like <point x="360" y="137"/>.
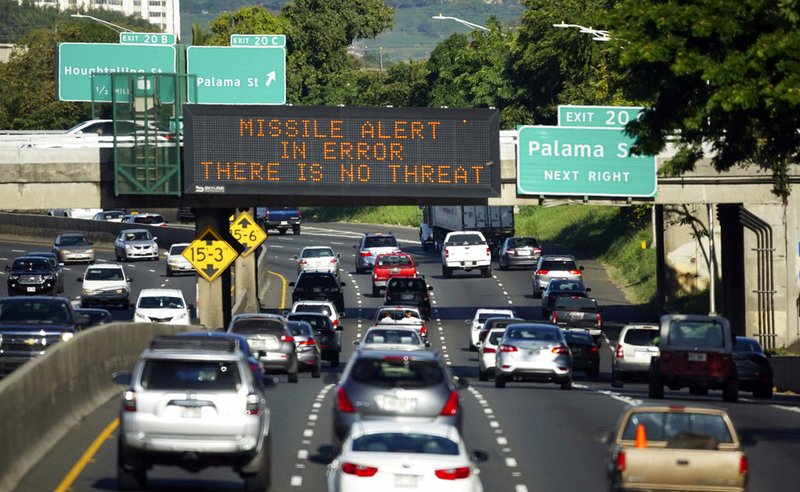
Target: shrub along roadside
<point x="612" y="234"/>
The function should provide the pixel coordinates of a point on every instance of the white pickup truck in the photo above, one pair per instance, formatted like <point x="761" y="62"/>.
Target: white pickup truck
<point x="466" y="250"/>
<point x="659" y="447"/>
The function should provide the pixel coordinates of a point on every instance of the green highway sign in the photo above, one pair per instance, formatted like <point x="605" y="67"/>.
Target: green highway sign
<point x="79" y="62"/>
<point x="259" y="40"/>
<point x="597" y="116"/>
<point x="237" y="75"/>
<point x="554" y="160"/>
<point x="146" y="38"/>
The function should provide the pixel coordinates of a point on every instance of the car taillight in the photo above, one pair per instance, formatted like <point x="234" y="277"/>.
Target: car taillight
<point x="303" y="262"/>
<point x="744" y="466"/>
<point x="619" y="354"/>
<point x="593" y="349"/>
<point x="287" y="338"/>
<point x="366" y="253"/>
<point x="423" y="331"/>
<point x="508" y="348"/>
<point x="511" y="251"/>
<point x="358" y="470"/>
<point x="252" y="404"/>
<point x="129" y="401"/>
<point x="453" y="473"/>
<point x="451" y="407"/>
<point x="266" y="215"/>
<point x="489" y="350"/>
<point x="334" y="261"/>
<point x="488" y="251"/>
<point x="299" y="214"/>
<point x="343" y="402"/>
<point x="619" y="461"/>
<point x="542" y="272"/>
<point x="574" y="272"/>
<point x="309" y="342"/>
<point x="254" y="367"/>
<point x="560" y="350"/>
<point x="553" y="316"/>
<point x="599" y="320"/>
<point x="335" y="323"/>
<point x="446" y="253"/>
<point x="537" y="251"/>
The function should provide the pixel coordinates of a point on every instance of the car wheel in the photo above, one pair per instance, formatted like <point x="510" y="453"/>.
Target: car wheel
<point x="119" y="258"/>
<point x="262" y="478"/>
<point x="764" y="391"/>
<point x="129" y="478"/>
<point x="486" y="272"/>
<point x="566" y="385"/>
<point x="537" y="294"/>
<point x="169" y="272"/>
<point x="501" y="265"/>
<point x="730" y="391"/>
<point x="655" y="387"/>
<point x="499" y="381"/>
<point x="545" y="313"/>
<point x="376" y="291"/>
<point x="359" y="270"/>
<point x="315" y="371"/>
<point x="616" y="378"/>
<point x="593" y="373"/>
<point x="446" y="272"/>
<point x="296" y="231"/>
<point x="335" y="359"/>
<point x="281" y="231"/>
<point x="292" y="378"/>
<point x="482" y="375"/>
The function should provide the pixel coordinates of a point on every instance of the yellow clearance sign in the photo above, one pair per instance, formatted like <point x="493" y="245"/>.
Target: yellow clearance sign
<point x="210" y="254"/>
<point x="248" y="233"/>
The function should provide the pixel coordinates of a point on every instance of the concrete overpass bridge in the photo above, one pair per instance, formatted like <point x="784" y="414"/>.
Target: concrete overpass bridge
<point x="729" y="226"/>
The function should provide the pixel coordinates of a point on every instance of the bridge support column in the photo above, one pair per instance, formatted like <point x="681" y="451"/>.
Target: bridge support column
<point x="214" y="298"/>
<point x="245" y="282"/>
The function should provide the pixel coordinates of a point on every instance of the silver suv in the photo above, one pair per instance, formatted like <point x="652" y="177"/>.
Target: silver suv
<point x="193" y="403"/>
<point x="372" y="245"/>
<point x="554" y="266"/>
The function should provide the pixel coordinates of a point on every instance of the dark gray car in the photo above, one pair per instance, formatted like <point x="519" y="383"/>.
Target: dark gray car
<point x="328" y="338"/>
<point x="270" y="341"/>
<point x="400" y="385"/>
<point x="519" y="251"/>
<point x="560" y="287"/>
<point x="554" y="266"/>
<point x="308" y="352"/>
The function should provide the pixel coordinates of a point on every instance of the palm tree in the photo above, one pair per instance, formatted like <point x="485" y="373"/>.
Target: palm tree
<point x="200" y="35"/>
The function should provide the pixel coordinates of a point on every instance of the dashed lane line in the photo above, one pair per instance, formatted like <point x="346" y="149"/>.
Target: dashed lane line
<point x="302" y="454"/>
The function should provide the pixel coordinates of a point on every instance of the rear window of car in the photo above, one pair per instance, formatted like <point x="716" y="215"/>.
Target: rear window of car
<point x="148" y="219"/>
<point x="533" y="334"/>
<point x="665" y="426"/>
<point x="576" y="304"/>
<point x="397" y="372"/>
<point x="314" y="280"/>
<point x="317" y="253"/>
<point x="406" y="337"/>
<point x="300" y="329"/>
<point x="522" y="242"/>
<point x="380" y="242"/>
<point x="686" y="334"/>
<point x="191" y="375"/>
<point x="640" y="337"/>
<point x="394" y="261"/>
<point x="565" y="285"/>
<point x="465" y="239"/>
<point x="578" y="337"/>
<point x="495" y="337"/>
<point x="406" y="285"/>
<point x="256" y="326"/>
<point x="396" y="442"/>
<point x="558" y="265"/>
<point x="747" y="346"/>
<point x="316" y="322"/>
<point x="313" y="308"/>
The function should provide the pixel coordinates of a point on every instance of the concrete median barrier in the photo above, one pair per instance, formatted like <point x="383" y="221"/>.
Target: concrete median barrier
<point x="786" y="373"/>
<point x="44" y="398"/>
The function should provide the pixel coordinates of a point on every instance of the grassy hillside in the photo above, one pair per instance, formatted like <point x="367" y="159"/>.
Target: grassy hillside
<point x="612" y="234"/>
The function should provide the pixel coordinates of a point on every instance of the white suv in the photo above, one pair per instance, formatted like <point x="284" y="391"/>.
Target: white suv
<point x="162" y="306"/>
<point x="105" y="283"/>
<point x="193" y="402"/>
<point x="477" y="321"/>
<point x="325" y="307"/>
<point x="635" y="348"/>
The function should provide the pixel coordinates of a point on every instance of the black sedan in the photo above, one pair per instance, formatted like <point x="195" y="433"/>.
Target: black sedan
<point x="752" y="367"/>
<point x="585" y="354"/>
<point x="559" y="287"/>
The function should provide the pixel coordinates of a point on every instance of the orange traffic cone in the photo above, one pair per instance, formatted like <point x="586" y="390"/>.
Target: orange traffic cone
<point x="641" y="437"/>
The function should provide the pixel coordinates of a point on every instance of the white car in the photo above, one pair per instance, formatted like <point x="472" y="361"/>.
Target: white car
<point x="387" y="455"/>
<point x="162" y="306"/>
<point x="392" y="336"/>
<point x="403" y="315"/>
<point x="325" y="307"/>
<point x="476" y="323"/>
<point x="488" y="353"/>
<point x="105" y="283"/>
<point x="175" y="262"/>
<point x="317" y="259"/>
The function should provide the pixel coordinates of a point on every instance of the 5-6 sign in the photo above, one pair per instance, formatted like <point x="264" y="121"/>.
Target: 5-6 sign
<point x="245" y="230"/>
<point x="210" y="254"/>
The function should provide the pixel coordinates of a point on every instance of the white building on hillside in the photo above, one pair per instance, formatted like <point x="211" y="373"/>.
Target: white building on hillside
<point x="165" y="14"/>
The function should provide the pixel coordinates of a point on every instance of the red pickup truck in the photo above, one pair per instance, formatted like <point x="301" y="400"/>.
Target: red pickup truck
<point x="391" y="265"/>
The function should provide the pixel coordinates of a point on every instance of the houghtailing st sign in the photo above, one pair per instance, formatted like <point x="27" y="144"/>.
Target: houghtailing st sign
<point x="210" y="254"/>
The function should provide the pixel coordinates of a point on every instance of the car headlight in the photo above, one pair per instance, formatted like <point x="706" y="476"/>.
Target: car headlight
<point x="121" y="290"/>
<point x="182" y="316"/>
<point x="140" y="316"/>
<point x="48" y="277"/>
<point x="87" y="292"/>
<point x="90" y="251"/>
<point x="66" y="336"/>
<point x="128" y="247"/>
<point x="13" y="277"/>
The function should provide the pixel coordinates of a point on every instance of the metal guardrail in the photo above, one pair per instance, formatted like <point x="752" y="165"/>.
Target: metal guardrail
<point x="61" y="140"/>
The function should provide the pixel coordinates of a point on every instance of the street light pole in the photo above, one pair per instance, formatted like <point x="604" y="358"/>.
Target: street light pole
<point x="598" y="34"/>
<point x="471" y="25"/>
<point x="109" y="25"/>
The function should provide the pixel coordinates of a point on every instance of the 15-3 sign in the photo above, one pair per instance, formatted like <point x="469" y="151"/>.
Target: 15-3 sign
<point x="245" y="230"/>
<point x="210" y="254"/>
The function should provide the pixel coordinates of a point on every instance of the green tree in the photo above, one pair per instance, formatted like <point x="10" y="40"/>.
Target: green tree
<point x="200" y="35"/>
<point x="247" y="20"/>
<point x="720" y="72"/>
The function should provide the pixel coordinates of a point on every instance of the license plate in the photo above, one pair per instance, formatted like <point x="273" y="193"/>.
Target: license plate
<point x="390" y="403"/>
<point x="407" y="297"/>
<point x="409" y="481"/>
<point x="523" y="252"/>
<point x="576" y="315"/>
<point x="697" y="357"/>
<point x="257" y="344"/>
<point x="191" y="412"/>
<point x="30" y="289"/>
<point x="283" y="222"/>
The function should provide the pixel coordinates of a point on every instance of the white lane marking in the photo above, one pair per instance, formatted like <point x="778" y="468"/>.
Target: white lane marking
<point x="502" y="441"/>
<point x="511" y="462"/>
<point x="520" y="488"/>
<point x="788" y="409"/>
<point x="302" y="454"/>
<point x="612" y="394"/>
<point x="297" y="481"/>
<point x="18" y="251"/>
<point x="308" y="433"/>
<point x="277" y="246"/>
<point x="494" y="424"/>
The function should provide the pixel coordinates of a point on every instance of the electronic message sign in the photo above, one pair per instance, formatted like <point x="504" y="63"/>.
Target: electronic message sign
<point x="341" y="151"/>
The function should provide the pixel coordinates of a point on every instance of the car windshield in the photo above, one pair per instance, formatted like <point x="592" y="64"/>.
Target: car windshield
<point x="148" y="219"/>
<point x="559" y="266"/>
<point x="300" y="329"/>
<point x="73" y="241"/>
<point x="747" y="346"/>
<point x="380" y="242"/>
<point x="522" y="242"/>
<point x="405" y="337"/>
<point x="485" y="316"/>
<point x="138" y="236"/>
<point x="465" y="239"/>
<point x="406" y="285"/>
<point x="396" y="442"/>
<point x="37" y="265"/>
<point x="255" y="326"/>
<point x="191" y="375"/>
<point x="317" y="253"/>
<point x="390" y="261"/>
<point x="397" y="372"/>
<point x="103" y="274"/>
<point x="565" y="285"/>
<point x="177" y="249"/>
<point x="34" y="312"/>
<point x="582" y="304"/>
<point x="640" y="337"/>
<point x="533" y="334"/>
<point x="160" y="302"/>
<point x="686" y="334"/>
<point x="665" y="426"/>
<point x="313" y="308"/>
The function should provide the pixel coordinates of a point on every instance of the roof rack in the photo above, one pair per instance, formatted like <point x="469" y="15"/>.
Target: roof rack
<point x="213" y="344"/>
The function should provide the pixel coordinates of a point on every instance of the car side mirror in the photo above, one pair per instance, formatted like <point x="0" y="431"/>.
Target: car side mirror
<point x="356" y="343"/>
<point x="8" y="268"/>
<point x="342" y="284"/>
<point x="342" y="315"/>
<point x="190" y="307"/>
<point x="461" y="382"/>
<point x="294" y="257"/>
<point x="588" y="289"/>
<point x="130" y="280"/>
<point x="355" y="246"/>
<point x="291" y="284"/>
<point x="338" y="255"/>
<point x="479" y="456"/>
<point x="478" y="344"/>
<point x="79" y="279"/>
<point x="602" y="436"/>
<point x="155" y="238"/>
<point x="430" y="287"/>
<point x="427" y="344"/>
<point x="121" y="378"/>
<point x="580" y="268"/>
<point x="90" y="243"/>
